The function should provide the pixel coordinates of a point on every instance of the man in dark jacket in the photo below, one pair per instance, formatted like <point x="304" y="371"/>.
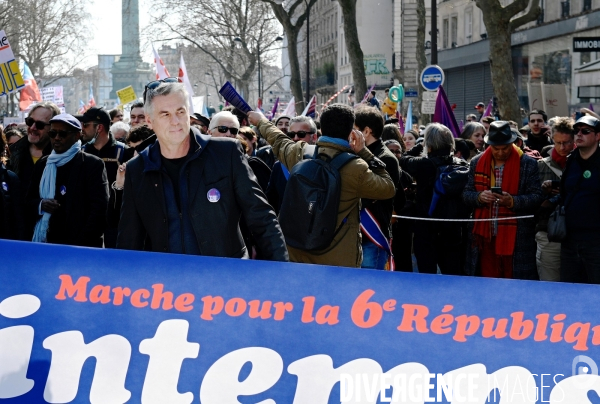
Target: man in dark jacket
<point x="538" y="135"/>
<point x="580" y="194"/>
<point x="101" y="143"/>
<point x="69" y="206"/>
<point x="27" y="151"/>
<point x="376" y="216"/>
<point x="187" y="192"/>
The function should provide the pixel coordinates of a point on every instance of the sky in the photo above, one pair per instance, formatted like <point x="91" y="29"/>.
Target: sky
<point x="105" y="35"/>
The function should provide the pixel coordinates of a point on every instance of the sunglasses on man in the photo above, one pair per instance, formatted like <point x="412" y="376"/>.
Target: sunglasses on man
<point x="62" y="133"/>
<point x="584" y="131"/>
<point x="154" y="84"/>
<point x="225" y="129"/>
<point x="39" y="125"/>
<point x="301" y="134"/>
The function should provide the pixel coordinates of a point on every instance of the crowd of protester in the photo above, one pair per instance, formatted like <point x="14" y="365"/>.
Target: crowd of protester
<point x="347" y="189"/>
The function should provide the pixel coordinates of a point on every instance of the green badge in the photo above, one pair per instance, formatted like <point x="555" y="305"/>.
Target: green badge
<point x="587" y="174"/>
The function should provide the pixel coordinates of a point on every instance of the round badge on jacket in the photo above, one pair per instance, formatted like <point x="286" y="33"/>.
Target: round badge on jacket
<point x="587" y="174"/>
<point x="213" y="195"/>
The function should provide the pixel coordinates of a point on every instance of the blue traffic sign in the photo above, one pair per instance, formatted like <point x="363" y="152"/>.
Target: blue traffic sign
<point x="432" y="77"/>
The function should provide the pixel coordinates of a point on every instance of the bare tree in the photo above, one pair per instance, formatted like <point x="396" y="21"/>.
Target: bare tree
<point x="355" y="52"/>
<point x="230" y="32"/>
<point x="500" y="23"/>
<point x="48" y="34"/>
<point x="292" y="15"/>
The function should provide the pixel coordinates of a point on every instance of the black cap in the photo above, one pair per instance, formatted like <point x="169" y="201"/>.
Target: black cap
<point x="199" y="117"/>
<point x="480" y="105"/>
<point x="95" y="115"/>
<point x="500" y="133"/>
<point x="589" y="121"/>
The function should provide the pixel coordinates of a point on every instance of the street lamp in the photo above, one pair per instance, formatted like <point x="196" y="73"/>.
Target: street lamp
<point x="206" y="76"/>
<point x="260" y="80"/>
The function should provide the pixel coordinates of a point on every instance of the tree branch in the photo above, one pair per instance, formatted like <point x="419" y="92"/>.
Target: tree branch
<point x="532" y="15"/>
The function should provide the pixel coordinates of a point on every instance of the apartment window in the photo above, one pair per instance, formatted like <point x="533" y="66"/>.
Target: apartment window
<point x="454" y="29"/>
<point x="587" y="5"/>
<point x="565" y="7"/>
<point x="446" y="32"/>
<point x="469" y="26"/>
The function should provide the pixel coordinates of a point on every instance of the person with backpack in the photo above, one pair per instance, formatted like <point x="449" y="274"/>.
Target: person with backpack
<point x="503" y="182"/>
<point x="319" y="215"/>
<point x="437" y="243"/>
<point x="376" y="215"/>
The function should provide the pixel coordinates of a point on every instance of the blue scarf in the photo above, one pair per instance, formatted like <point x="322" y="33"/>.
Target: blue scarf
<point x="335" y="140"/>
<point x="48" y="186"/>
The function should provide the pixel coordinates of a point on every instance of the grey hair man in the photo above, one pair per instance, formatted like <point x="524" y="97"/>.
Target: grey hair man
<point x="187" y="192"/>
<point x="120" y="130"/>
<point x="224" y="124"/>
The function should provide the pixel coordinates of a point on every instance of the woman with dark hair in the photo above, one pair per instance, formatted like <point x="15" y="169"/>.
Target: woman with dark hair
<point x="410" y="139"/>
<point x="435" y="243"/>
<point x="391" y="132"/>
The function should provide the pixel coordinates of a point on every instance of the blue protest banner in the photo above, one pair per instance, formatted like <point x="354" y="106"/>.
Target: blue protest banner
<point x="234" y="98"/>
<point x="82" y="325"/>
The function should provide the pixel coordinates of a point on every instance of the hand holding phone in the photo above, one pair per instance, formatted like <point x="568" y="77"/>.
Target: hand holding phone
<point x="496" y="190"/>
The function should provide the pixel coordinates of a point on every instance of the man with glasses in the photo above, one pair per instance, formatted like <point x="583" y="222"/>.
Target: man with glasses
<point x="224" y="124"/>
<point x="580" y="196"/>
<point x="187" y="192"/>
<point x="302" y="128"/>
<point x="29" y="149"/>
<point x="551" y="170"/>
<point x="68" y="193"/>
<point x="100" y="142"/>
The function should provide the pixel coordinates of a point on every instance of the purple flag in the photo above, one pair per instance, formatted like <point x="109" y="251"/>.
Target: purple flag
<point x="368" y="92"/>
<point x="591" y="107"/>
<point x="461" y="125"/>
<point x="274" y="110"/>
<point x="400" y="123"/>
<point x="444" y="114"/>
<point x="488" y="109"/>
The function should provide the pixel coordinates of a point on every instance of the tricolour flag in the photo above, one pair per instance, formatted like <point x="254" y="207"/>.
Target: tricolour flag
<point x="91" y="103"/>
<point x="290" y="110"/>
<point x="30" y="94"/>
<point x="81" y="109"/>
<point x="185" y="79"/>
<point x="161" y="69"/>
<point x="444" y="114"/>
<point x="311" y="107"/>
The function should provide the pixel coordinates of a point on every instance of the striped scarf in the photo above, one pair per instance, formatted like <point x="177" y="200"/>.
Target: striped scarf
<point x="484" y="180"/>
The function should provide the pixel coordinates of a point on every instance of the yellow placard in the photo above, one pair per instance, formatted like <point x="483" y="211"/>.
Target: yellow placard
<point x="11" y="79"/>
<point x="126" y="95"/>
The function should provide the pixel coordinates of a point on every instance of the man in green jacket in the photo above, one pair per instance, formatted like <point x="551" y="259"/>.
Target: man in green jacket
<point x="365" y="177"/>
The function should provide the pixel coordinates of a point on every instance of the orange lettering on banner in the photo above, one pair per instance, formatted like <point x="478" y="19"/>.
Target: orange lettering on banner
<point x="136" y="298"/>
<point x="264" y="312"/>
<point x="212" y="306"/>
<point x="280" y="309"/>
<point x="79" y="289"/>
<point x="158" y="295"/>
<point x="414" y="313"/>
<point x="100" y="294"/>
<point x="119" y="293"/>
<point x="362" y="306"/>
<point x="184" y="302"/>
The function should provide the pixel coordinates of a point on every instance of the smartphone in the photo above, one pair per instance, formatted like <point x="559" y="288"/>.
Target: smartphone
<point x="555" y="184"/>
<point x="497" y="190"/>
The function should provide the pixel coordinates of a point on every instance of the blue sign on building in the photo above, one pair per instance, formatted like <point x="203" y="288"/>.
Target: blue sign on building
<point x="432" y="77"/>
<point x="411" y="93"/>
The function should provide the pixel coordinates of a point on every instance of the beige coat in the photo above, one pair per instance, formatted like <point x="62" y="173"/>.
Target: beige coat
<point x="358" y="181"/>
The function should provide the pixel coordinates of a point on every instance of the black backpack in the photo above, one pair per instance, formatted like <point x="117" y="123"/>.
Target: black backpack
<point x="450" y="182"/>
<point x="309" y="210"/>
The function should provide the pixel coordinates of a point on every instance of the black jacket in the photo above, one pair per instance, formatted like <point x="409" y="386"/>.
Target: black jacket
<point x="82" y="191"/>
<point x="213" y="164"/>
<point x="382" y="210"/>
<point x="11" y="209"/>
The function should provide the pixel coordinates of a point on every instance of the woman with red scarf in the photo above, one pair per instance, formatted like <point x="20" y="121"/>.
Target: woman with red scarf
<point x="502" y="248"/>
<point x="551" y="169"/>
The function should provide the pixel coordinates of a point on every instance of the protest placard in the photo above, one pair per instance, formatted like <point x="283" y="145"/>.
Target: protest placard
<point x="552" y="98"/>
<point x="10" y="75"/>
<point x="53" y="94"/>
<point x="110" y="326"/>
<point x="234" y="98"/>
<point x="126" y="95"/>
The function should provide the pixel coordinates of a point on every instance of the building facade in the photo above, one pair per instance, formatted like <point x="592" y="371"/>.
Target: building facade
<point x="542" y="51"/>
